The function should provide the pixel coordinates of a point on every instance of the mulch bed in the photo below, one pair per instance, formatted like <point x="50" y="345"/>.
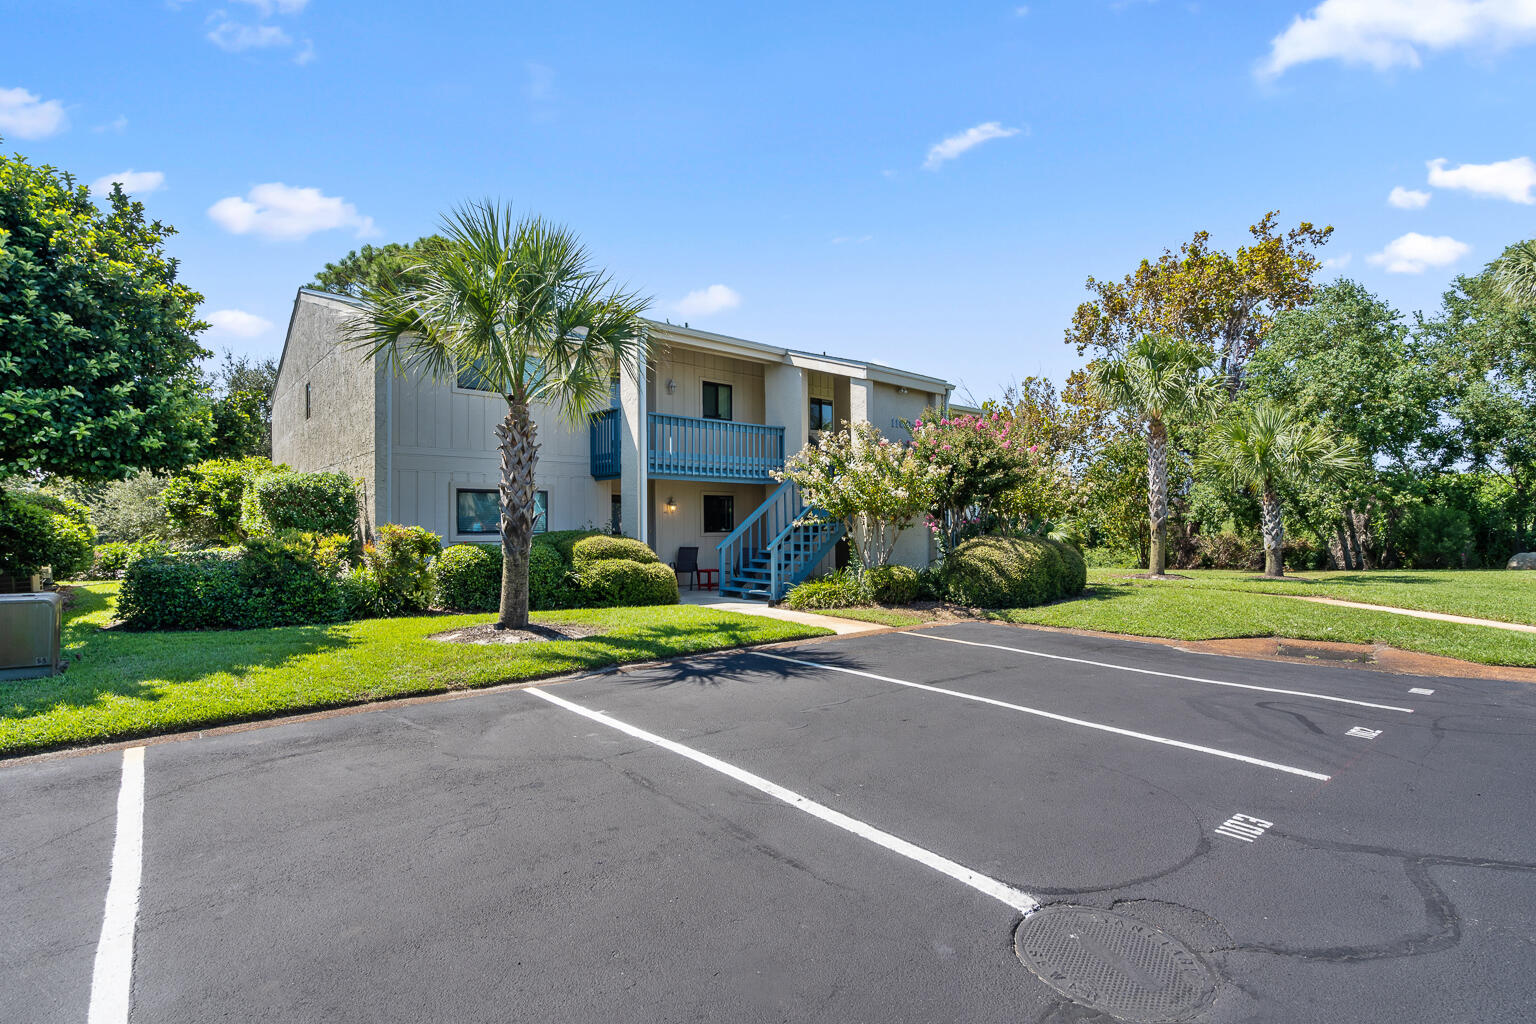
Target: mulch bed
<point x="489" y="634"/>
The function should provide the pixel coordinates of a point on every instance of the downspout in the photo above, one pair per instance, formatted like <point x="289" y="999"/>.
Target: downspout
<point x="389" y="449"/>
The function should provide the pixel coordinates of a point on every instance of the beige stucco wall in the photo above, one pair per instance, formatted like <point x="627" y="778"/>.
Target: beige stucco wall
<point x="689" y="368"/>
<point x="344" y="417"/>
<point x="685" y="527"/>
<point x="444" y="437"/>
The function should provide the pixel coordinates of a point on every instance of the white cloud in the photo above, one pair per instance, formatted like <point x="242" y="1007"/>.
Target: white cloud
<point x="1407" y="198"/>
<point x="851" y="239"/>
<point x="1021" y="10"/>
<point x="1413" y="252"/>
<point x="234" y="37"/>
<point x="116" y="126"/>
<point x="306" y="53"/>
<point x="27" y="115"/>
<point x="275" y="210"/>
<point x="968" y="139"/>
<point x="136" y="183"/>
<point x="1508" y="179"/>
<point x="238" y="323"/>
<point x="1338" y="262"/>
<point x="1391" y="33"/>
<point x="717" y="298"/>
<point x="270" y="7"/>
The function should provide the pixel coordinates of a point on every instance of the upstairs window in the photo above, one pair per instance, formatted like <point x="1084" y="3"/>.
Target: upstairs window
<point x="717" y="401"/>
<point x="821" y="414"/>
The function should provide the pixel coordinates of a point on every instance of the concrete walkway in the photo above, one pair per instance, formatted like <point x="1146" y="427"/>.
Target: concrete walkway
<point x="1465" y="620"/>
<point x="842" y="627"/>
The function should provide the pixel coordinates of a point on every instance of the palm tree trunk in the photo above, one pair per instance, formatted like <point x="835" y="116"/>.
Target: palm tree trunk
<point x="1157" y="496"/>
<point x="1274" y="533"/>
<point x="517" y="438"/>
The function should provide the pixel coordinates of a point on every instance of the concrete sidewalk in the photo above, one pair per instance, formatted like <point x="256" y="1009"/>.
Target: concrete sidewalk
<point x="842" y="627"/>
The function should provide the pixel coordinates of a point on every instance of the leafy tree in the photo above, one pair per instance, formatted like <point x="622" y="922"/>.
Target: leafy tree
<point x="875" y="487"/>
<point x="1482" y="353"/>
<point x="1514" y="273"/>
<point x="1349" y="360"/>
<point x="241" y="388"/>
<point x="1157" y="380"/>
<point x="520" y="302"/>
<point x="98" y="344"/>
<point x="1265" y="447"/>
<point x="1223" y="301"/>
<point x="978" y="464"/>
<point x="395" y="267"/>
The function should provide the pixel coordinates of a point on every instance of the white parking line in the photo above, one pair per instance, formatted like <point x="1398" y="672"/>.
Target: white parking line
<point x="112" y="979"/>
<point x="1167" y="675"/>
<point x="1019" y="900"/>
<point x="1213" y="751"/>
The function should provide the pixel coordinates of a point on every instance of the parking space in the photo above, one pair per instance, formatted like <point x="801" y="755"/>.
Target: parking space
<point x="843" y="831"/>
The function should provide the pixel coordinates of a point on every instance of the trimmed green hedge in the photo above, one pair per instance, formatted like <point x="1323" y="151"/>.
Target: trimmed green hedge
<point x="309" y="502"/>
<point x="467" y="577"/>
<point x="620" y="582"/>
<point x="602" y="547"/>
<point x="1012" y="572"/>
<point x="840" y="588"/>
<point x="285" y="580"/>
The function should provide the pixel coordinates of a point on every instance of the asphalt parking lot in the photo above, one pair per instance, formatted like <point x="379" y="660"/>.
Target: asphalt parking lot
<point x="965" y="823"/>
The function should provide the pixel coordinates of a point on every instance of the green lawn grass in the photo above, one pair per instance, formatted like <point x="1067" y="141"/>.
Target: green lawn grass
<point x="883" y="616"/>
<point x="1498" y="594"/>
<point x="122" y="685"/>
<point x="1185" y="612"/>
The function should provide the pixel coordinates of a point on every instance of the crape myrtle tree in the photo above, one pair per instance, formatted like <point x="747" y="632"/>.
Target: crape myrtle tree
<point x="1266" y="448"/>
<point x="98" y="347"/>
<point x="874" y="487"/>
<point x="980" y="465"/>
<point x="1158" y="380"/>
<point x="520" y="303"/>
<point x="1224" y="301"/>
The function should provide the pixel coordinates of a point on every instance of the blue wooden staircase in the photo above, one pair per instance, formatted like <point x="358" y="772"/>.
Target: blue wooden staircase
<point x="777" y="546"/>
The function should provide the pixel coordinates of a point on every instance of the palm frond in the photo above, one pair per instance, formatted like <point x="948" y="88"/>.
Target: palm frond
<point x="1514" y="273"/>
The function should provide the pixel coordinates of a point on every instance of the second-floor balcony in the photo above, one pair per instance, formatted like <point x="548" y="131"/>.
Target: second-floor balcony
<point x="693" y="448"/>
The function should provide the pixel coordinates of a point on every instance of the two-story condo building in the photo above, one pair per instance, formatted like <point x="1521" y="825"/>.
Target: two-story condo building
<point x="684" y="460"/>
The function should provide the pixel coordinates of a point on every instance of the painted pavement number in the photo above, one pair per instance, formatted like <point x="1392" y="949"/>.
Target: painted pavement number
<point x="1244" y="826"/>
<point x="1361" y="732"/>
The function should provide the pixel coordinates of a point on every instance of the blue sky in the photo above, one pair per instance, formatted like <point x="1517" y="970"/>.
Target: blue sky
<point x="786" y="165"/>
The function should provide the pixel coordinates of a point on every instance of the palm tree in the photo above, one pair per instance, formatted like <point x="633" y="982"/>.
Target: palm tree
<point x="1514" y="273"/>
<point x="520" y="304"/>
<point x="1157" y="379"/>
<point x="1266" y="447"/>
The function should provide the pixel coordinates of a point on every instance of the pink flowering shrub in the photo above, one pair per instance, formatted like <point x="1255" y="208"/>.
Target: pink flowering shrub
<point x="981" y="466"/>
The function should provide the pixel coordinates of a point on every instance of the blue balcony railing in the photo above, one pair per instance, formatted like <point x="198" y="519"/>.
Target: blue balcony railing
<point x="690" y="448"/>
<point x="604" y="433"/>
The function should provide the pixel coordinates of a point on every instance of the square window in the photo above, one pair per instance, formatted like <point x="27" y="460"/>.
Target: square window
<point x="717" y="401"/>
<point x="821" y="414"/>
<point x="479" y="512"/>
<point x="719" y="513"/>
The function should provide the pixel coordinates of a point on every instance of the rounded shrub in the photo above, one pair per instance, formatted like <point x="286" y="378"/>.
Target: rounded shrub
<point x="549" y="579"/>
<point x="564" y="540"/>
<point x="33" y="534"/>
<point x="310" y="502"/>
<point x="1012" y="572"/>
<point x="467" y="578"/>
<point x="601" y="547"/>
<point x="618" y="582"/>
<point x="892" y="584"/>
<point x="399" y="564"/>
<point x="183" y="590"/>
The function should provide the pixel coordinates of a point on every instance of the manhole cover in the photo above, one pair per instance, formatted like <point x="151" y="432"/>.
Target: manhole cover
<point x="1113" y="963"/>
